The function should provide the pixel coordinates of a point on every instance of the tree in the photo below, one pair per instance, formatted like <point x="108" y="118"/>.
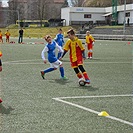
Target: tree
<point x="41" y="9"/>
<point x="17" y="9"/>
<point x="65" y="4"/>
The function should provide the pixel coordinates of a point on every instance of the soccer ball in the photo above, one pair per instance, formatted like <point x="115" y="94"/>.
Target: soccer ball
<point x="81" y="82"/>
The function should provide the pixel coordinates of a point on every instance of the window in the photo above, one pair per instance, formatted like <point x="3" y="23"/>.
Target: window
<point x="87" y="15"/>
<point x="127" y="14"/>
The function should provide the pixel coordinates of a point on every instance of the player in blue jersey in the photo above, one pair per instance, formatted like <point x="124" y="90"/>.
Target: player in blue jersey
<point x="60" y="40"/>
<point x="54" y="62"/>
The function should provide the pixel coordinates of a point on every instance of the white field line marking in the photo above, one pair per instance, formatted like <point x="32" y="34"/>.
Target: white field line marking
<point x="26" y="62"/>
<point x="21" y="61"/>
<point x="102" y="96"/>
<point x="60" y="99"/>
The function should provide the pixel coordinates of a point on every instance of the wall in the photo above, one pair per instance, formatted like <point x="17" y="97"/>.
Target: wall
<point x="65" y="14"/>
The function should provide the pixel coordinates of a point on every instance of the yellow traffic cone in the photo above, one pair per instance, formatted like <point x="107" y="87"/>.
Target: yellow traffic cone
<point x="103" y="113"/>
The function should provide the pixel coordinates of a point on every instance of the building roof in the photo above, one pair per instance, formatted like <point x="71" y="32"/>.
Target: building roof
<point x="25" y="1"/>
<point x="20" y="1"/>
<point x="107" y="14"/>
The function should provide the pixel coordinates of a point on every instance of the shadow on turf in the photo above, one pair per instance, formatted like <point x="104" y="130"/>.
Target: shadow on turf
<point x="89" y="88"/>
<point x="4" y="110"/>
<point x="92" y="59"/>
<point x="59" y="81"/>
<point x="62" y="82"/>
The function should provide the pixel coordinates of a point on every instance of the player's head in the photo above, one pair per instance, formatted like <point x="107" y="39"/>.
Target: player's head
<point x="88" y="32"/>
<point x="48" y="38"/>
<point x="71" y="34"/>
<point x="60" y="30"/>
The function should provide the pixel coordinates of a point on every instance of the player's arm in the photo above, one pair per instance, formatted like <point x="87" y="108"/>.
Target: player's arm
<point x="83" y="54"/>
<point x="56" y="38"/>
<point x="93" y="40"/>
<point x="82" y="48"/>
<point x="63" y="39"/>
<point x="0" y="65"/>
<point x="43" y="53"/>
<point x="66" y="48"/>
<point x="59" y="48"/>
<point x="64" y="53"/>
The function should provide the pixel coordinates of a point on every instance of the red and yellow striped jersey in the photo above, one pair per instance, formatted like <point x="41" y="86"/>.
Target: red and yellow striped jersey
<point x="76" y="48"/>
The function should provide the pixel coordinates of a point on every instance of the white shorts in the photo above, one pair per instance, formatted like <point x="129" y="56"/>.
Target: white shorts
<point x="56" y="64"/>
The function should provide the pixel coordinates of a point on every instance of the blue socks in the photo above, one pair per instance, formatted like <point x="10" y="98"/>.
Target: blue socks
<point x="62" y="71"/>
<point x="48" y="70"/>
<point x="52" y="69"/>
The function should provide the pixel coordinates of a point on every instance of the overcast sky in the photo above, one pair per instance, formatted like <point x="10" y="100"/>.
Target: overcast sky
<point x="4" y="2"/>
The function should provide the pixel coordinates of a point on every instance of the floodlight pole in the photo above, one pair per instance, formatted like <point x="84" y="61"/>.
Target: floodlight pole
<point x="124" y="26"/>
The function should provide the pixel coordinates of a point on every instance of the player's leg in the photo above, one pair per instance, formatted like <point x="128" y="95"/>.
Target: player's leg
<point x="79" y="75"/>
<point x="0" y="100"/>
<point x="90" y="51"/>
<point x="19" y="39"/>
<point x="59" y="64"/>
<point x="7" y="39"/>
<point x="74" y="65"/>
<point x="50" y="69"/>
<point x="0" y="71"/>
<point x="88" y="54"/>
<point x="87" y="79"/>
<point x="47" y="71"/>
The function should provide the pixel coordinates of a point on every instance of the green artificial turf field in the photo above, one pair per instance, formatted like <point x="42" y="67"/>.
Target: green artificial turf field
<point x="33" y="105"/>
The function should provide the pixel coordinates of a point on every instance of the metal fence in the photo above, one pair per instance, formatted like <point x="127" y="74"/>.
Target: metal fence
<point x="107" y="37"/>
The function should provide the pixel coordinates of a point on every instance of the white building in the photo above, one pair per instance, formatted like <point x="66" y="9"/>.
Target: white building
<point x="82" y="15"/>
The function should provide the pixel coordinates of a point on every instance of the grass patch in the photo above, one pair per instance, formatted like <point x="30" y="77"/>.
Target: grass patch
<point x="28" y="106"/>
<point x="36" y="32"/>
<point x="110" y="27"/>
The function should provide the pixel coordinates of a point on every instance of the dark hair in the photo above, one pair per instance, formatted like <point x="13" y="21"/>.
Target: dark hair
<point x="47" y="36"/>
<point x="71" y="31"/>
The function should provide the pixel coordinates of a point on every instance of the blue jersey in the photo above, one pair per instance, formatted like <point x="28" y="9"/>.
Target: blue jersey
<point x="51" y="52"/>
<point x="60" y="39"/>
<point x="50" y="49"/>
